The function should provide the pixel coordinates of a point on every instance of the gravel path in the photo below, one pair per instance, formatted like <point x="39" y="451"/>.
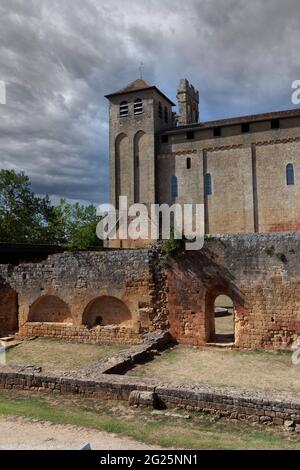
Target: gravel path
<point x="24" y="434"/>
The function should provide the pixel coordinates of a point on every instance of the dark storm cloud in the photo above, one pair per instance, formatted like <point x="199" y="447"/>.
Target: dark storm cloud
<point x="60" y="57"/>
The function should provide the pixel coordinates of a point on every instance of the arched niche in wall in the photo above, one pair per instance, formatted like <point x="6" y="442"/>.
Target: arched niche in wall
<point x="49" y="309"/>
<point x="107" y="310"/>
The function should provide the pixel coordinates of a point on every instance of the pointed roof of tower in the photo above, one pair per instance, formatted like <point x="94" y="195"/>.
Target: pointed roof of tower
<point x="138" y="85"/>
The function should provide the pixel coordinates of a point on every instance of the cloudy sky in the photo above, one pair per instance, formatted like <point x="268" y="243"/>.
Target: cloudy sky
<point x="59" y="57"/>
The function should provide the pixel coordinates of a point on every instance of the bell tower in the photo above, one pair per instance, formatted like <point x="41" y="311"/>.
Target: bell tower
<point x="136" y="113"/>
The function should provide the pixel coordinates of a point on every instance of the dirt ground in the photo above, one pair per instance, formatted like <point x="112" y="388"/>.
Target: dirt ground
<point x="223" y="367"/>
<point x="56" y="356"/>
<point x="23" y="434"/>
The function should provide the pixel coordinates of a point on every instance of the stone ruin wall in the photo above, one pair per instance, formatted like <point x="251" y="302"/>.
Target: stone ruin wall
<point x="58" y="297"/>
<point x="260" y="272"/>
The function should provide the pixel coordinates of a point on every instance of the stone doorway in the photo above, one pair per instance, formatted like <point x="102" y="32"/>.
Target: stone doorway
<point x="224" y="320"/>
<point x="220" y="318"/>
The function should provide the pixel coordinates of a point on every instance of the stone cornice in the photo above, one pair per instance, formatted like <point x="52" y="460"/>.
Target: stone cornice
<point x="287" y="140"/>
<point x="223" y="148"/>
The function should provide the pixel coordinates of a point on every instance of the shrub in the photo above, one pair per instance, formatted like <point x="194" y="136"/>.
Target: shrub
<point x="270" y="250"/>
<point x="209" y="238"/>
<point x="173" y="246"/>
<point x="281" y="257"/>
<point x="163" y="263"/>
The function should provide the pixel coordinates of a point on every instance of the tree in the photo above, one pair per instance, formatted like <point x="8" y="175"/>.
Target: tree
<point x="27" y="218"/>
<point x="24" y="217"/>
<point x="75" y="224"/>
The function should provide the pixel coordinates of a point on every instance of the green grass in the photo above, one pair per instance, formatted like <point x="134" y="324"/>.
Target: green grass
<point x="54" y="355"/>
<point x="257" y="370"/>
<point x="200" y="432"/>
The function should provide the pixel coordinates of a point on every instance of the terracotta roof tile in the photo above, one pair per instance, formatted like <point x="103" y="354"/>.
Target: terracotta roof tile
<point x="139" y="84"/>
<point x="136" y="85"/>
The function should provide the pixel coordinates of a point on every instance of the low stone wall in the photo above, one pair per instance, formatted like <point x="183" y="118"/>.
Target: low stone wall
<point x="260" y="407"/>
<point x="81" y="334"/>
<point x="265" y="408"/>
<point x="121" y="362"/>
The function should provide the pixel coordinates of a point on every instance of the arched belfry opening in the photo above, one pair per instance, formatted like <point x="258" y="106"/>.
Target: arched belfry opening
<point x="122" y="177"/>
<point x="220" y="317"/>
<point x="139" y="164"/>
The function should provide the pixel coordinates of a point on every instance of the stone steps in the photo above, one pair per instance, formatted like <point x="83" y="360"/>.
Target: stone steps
<point x="9" y="342"/>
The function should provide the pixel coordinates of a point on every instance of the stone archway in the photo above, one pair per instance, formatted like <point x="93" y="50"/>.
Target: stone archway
<point x="220" y="316"/>
<point x="224" y="319"/>
<point x="49" y="309"/>
<point x="107" y="310"/>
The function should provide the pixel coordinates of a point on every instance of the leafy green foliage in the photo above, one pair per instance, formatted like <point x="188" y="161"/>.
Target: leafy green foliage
<point x="75" y="224"/>
<point x="209" y="238"/>
<point x="163" y="264"/>
<point x="24" y="217"/>
<point x="173" y="246"/>
<point x="270" y="250"/>
<point x="28" y="218"/>
<point x="281" y="257"/>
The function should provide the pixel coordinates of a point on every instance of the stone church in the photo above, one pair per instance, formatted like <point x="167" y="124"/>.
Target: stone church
<point x="245" y="170"/>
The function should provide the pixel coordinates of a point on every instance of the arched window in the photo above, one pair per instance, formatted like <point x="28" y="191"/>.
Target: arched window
<point x="208" y="185"/>
<point x="123" y="109"/>
<point x="290" y="177"/>
<point x="138" y="106"/>
<point x="188" y="163"/>
<point x="174" y="186"/>
<point x="160" y="110"/>
<point x="166" y="114"/>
